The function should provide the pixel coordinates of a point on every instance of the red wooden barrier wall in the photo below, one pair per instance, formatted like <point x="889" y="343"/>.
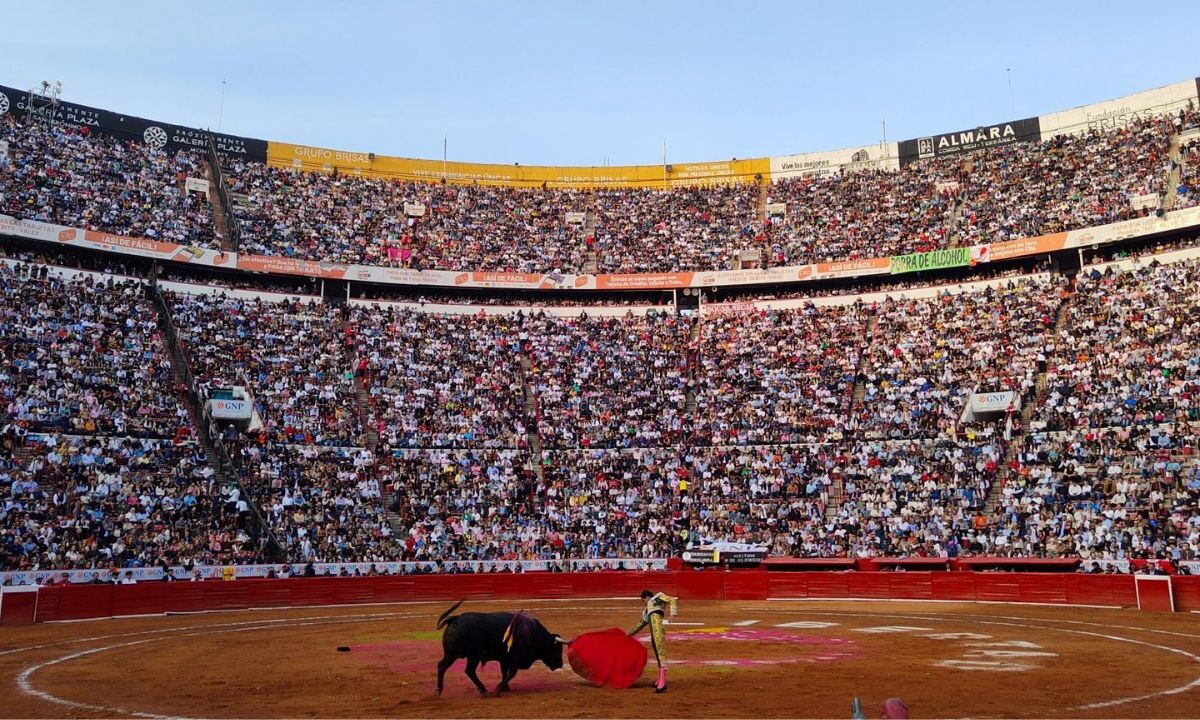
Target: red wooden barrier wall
<point x="92" y="601"/>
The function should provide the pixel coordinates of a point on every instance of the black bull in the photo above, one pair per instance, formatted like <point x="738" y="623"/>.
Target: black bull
<point x="514" y="640"/>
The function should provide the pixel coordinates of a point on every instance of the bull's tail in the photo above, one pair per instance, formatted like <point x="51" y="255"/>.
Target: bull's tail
<point x="444" y="617"/>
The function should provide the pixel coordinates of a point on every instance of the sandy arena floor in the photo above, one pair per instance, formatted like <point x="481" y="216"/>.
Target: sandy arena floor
<point x="730" y="659"/>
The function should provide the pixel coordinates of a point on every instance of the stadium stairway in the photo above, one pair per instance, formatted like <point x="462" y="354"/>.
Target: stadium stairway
<point x="224" y="220"/>
<point x="1173" y="173"/>
<point x="763" y="198"/>
<point x="220" y="218"/>
<point x="591" y="265"/>
<point x="1027" y="412"/>
<point x="533" y="435"/>
<point x="956" y="214"/>
<point x="860" y="387"/>
<point x="223" y="466"/>
<point x="837" y="491"/>
<point x="693" y="371"/>
<point x="362" y="400"/>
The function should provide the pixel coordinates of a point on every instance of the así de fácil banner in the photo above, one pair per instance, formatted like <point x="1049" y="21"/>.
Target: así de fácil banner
<point x="936" y="260"/>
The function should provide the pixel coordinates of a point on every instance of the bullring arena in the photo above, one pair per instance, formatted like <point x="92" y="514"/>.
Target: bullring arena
<point x="730" y="657"/>
<point x="904" y="428"/>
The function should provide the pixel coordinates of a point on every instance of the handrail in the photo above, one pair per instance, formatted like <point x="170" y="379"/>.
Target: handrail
<point x="269" y="546"/>
<point x="231" y="220"/>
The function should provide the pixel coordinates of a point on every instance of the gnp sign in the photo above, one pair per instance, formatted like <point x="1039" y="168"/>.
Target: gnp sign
<point x="230" y="409"/>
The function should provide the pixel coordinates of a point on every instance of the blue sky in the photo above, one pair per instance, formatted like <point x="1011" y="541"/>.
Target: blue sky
<point x="588" y="83"/>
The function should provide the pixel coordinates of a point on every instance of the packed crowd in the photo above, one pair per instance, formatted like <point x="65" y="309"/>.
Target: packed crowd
<point x="868" y="214"/>
<point x="777" y="376"/>
<point x="74" y="177"/>
<point x="469" y="505"/>
<point x="71" y="176"/>
<point x="294" y="359"/>
<point x="1018" y="190"/>
<point x="925" y="356"/>
<point x="1065" y="182"/>
<point x="1126" y="353"/>
<point x="683" y="228"/>
<point x="83" y="355"/>
<point x="778" y="450"/>
<point x="1130" y="492"/>
<point x="78" y="502"/>
<point x="322" y="505"/>
<point x="350" y="218"/>
<point x="610" y="382"/>
<point x="440" y="382"/>
<point x="1188" y="190"/>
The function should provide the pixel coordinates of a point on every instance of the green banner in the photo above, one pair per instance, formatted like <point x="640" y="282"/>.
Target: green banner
<point x="936" y="260"/>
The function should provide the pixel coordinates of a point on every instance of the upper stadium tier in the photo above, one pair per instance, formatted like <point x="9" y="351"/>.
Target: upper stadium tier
<point x="1025" y="187"/>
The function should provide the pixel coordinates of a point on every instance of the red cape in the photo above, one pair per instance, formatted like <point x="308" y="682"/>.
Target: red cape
<point x="607" y="658"/>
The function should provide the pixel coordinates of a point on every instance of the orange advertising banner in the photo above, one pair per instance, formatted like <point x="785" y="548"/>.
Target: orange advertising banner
<point x="846" y="268"/>
<point x="291" y="266"/>
<point x="647" y="281"/>
<point x="1026" y="246"/>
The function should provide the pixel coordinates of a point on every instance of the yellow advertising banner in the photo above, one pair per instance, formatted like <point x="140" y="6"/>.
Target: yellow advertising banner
<point x="304" y="157"/>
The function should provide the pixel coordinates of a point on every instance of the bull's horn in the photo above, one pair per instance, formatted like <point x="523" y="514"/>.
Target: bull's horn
<point x="564" y="642"/>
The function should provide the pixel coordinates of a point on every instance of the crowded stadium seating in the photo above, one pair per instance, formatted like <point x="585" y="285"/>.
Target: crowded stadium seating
<point x="73" y="177"/>
<point x="384" y="432"/>
<point x="779" y="450"/>
<point x="80" y="179"/>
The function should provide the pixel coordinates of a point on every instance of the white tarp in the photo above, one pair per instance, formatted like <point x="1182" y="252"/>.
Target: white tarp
<point x="1119" y="113"/>
<point x="867" y="157"/>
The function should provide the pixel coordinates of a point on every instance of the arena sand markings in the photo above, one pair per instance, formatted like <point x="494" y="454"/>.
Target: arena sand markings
<point x="977" y="647"/>
<point x="1010" y="621"/>
<point x="25" y="683"/>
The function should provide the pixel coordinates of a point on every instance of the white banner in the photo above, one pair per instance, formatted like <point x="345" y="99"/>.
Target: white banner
<point x="230" y="409"/>
<point x="817" y="164"/>
<point x="576" y="218"/>
<point x="414" y="209"/>
<point x="992" y="401"/>
<point x="776" y="210"/>
<point x="1126" y="229"/>
<point x="212" y="572"/>
<point x="1143" y="202"/>
<point x="1119" y="113"/>
<point x="197" y="185"/>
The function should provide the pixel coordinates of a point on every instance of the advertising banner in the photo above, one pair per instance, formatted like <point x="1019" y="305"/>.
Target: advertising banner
<point x="952" y="257"/>
<point x="154" y="133"/>
<point x="1139" y="227"/>
<point x="1119" y="113"/>
<point x="830" y="162"/>
<point x="303" y="157"/>
<point x="197" y="185"/>
<point x="980" y="138"/>
<point x="935" y="260"/>
<point x="992" y="402"/>
<point x="228" y="409"/>
<point x="853" y="268"/>
<point x="217" y="572"/>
